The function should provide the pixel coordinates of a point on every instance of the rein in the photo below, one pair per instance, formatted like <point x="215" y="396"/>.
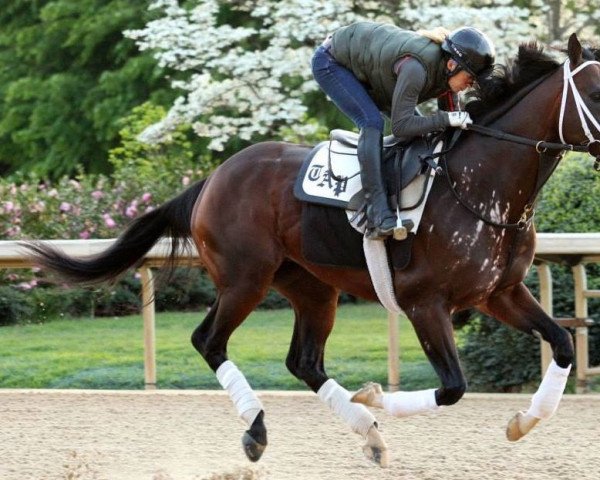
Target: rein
<point x="545" y="168"/>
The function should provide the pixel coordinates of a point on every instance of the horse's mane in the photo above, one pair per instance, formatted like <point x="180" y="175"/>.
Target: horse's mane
<point x="530" y="64"/>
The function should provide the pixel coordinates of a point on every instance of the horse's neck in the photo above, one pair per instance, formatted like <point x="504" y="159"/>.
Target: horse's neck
<point x="500" y="176"/>
<point x="536" y="115"/>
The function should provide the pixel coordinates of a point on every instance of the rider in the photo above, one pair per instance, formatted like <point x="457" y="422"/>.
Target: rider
<point x="370" y="68"/>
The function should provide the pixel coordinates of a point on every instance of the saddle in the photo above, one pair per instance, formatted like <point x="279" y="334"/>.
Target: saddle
<point x="329" y="186"/>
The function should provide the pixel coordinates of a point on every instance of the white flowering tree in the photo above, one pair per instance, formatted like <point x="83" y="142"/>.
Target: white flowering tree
<point x="250" y="79"/>
<point x="243" y="80"/>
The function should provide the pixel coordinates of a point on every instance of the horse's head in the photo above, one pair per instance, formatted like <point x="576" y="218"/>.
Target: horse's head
<point x="578" y="99"/>
<point x="579" y="121"/>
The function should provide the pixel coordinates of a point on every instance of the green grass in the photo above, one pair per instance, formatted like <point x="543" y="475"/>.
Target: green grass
<point x="108" y="353"/>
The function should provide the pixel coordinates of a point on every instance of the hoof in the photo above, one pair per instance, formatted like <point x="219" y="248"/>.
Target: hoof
<point x="252" y="448"/>
<point x="377" y="455"/>
<point x="519" y="426"/>
<point x="376" y="449"/>
<point x="369" y="395"/>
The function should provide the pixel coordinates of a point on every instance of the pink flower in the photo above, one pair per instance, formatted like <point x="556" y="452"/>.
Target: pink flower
<point x="13" y="231"/>
<point x="185" y="181"/>
<point x="64" y="207"/>
<point x="9" y="206"/>
<point x="131" y="210"/>
<point x="84" y="235"/>
<point x="108" y="221"/>
<point x="147" y="197"/>
<point x="97" y="194"/>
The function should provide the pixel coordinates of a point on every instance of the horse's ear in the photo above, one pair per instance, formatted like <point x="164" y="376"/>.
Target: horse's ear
<point x="575" y="50"/>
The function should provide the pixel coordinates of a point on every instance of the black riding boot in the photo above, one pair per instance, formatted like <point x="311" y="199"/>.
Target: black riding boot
<point x="381" y="220"/>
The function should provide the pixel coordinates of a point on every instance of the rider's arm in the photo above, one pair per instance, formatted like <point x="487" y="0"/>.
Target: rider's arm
<point x="411" y="81"/>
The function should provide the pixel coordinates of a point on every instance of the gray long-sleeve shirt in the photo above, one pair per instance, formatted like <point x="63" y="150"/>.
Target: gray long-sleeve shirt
<point x="409" y="85"/>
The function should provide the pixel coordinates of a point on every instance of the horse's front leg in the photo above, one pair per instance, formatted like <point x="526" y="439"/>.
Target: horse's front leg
<point x="516" y="307"/>
<point x="314" y="305"/>
<point x="433" y="326"/>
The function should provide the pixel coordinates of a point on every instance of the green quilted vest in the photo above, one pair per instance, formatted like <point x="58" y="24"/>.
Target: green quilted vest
<point x="370" y="51"/>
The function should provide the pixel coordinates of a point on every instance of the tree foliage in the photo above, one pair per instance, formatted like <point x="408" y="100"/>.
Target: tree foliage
<point x="238" y="70"/>
<point x="67" y="75"/>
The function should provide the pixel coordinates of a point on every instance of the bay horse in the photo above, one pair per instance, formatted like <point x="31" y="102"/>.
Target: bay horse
<point x="473" y="249"/>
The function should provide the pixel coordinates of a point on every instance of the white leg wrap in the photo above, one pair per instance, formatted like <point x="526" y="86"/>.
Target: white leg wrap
<point x="545" y="401"/>
<point x="245" y="400"/>
<point x="405" y="404"/>
<point x="337" y="399"/>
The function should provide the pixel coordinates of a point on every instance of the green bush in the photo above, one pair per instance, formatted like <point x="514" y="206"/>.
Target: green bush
<point x="498" y="358"/>
<point x="15" y="306"/>
<point x="187" y="289"/>
<point x="54" y="301"/>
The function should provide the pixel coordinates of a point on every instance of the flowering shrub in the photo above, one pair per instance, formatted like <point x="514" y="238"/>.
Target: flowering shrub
<point x="98" y="206"/>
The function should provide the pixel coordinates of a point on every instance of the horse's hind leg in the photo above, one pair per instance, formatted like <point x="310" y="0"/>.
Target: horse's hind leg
<point x="314" y="304"/>
<point x="433" y="327"/>
<point x="210" y="339"/>
<point x="517" y="307"/>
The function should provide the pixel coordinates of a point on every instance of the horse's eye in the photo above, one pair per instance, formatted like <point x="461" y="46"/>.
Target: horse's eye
<point x="595" y="96"/>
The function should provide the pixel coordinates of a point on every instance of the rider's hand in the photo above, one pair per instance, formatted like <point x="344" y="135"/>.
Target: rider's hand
<point x="459" y="119"/>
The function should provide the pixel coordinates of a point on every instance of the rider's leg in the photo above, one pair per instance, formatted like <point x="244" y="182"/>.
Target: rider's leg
<point x="351" y="97"/>
<point x="381" y="221"/>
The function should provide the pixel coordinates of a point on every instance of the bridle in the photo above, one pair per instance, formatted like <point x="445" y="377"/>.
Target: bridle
<point x="593" y="145"/>
<point x="541" y="146"/>
<point x="582" y="109"/>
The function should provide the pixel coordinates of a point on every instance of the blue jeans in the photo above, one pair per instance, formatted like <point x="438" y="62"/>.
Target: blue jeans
<point x="345" y="90"/>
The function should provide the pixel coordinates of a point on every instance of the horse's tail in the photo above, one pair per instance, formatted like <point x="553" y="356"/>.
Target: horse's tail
<point x="172" y="219"/>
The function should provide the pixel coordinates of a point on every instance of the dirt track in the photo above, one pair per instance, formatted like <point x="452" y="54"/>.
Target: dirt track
<point x="196" y="435"/>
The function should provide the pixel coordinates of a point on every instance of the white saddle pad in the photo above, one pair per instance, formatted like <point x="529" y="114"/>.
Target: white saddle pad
<point x="332" y="177"/>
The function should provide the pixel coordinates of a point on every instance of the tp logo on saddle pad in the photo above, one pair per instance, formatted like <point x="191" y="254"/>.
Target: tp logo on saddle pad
<point x="331" y="175"/>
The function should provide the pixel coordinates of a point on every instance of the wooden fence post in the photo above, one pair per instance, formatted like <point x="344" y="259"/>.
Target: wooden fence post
<point x="581" y="333"/>
<point x="546" y="301"/>
<point x="149" y="327"/>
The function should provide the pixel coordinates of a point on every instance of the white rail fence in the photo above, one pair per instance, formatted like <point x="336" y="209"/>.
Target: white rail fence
<point x="576" y="249"/>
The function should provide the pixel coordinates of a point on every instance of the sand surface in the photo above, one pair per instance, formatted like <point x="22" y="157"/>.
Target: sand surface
<point x="48" y="434"/>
